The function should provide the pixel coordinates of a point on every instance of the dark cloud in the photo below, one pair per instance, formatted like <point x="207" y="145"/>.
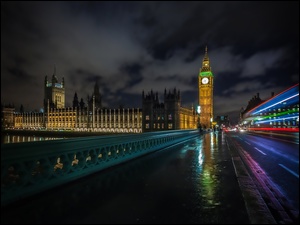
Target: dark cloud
<point x="18" y="74"/>
<point x="134" y="46"/>
<point x="134" y="72"/>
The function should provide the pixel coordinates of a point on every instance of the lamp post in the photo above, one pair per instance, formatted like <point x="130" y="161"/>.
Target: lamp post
<point x="198" y="118"/>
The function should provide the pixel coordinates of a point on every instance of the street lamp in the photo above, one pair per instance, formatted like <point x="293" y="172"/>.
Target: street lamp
<point x="198" y="117"/>
<point x="198" y="109"/>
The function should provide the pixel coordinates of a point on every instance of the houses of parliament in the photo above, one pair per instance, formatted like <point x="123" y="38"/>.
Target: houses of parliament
<point x="93" y="117"/>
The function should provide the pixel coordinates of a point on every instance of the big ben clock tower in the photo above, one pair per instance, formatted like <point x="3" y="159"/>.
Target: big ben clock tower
<point x="206" y="95"/>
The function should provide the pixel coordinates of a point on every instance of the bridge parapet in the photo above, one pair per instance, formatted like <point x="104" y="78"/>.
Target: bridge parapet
<point x="31" y="167"/>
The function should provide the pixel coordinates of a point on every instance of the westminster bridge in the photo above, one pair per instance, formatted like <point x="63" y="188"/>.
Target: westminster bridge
<point x="159" y="177"/>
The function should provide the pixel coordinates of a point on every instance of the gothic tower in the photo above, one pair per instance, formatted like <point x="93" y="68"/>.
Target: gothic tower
<point x="161" y="116"/>
<point x="206" y="95"/>
<point x="54" y="93"/>
<point x="172" y="109"/>
<point x="75" y="101"/>
<point x="98" y="98"/>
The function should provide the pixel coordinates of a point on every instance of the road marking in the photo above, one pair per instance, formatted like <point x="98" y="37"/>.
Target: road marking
<point x="248" y="143"/>
<point x="260" y="151"/>
<point x="292" y="172"/>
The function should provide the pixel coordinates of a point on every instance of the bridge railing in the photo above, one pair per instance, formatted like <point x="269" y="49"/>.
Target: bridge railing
<point x="31" y="167"/>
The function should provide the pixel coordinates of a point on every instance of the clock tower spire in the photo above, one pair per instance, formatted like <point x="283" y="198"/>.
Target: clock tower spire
<point x="205" y="62"/>
<point x="205" y="86"/>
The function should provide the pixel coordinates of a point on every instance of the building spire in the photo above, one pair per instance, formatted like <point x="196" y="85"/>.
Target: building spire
<point x="54" y="74"/>
<point x="206" y="55"/>
<point x="205" y="62"/>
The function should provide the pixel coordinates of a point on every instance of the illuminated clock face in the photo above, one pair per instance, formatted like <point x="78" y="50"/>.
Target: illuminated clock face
<point x="204" y="80"/>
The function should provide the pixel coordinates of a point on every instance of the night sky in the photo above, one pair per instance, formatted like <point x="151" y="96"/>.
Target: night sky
<point x="129" y="47"/>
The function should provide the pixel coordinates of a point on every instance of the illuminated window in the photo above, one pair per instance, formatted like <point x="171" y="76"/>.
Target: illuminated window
<point x="170" y="126"/>
<point x="154" y="125"/>
<point x="170" y="116"/>
<point x="147" y="117"/>
<point x="147" y="125"/>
